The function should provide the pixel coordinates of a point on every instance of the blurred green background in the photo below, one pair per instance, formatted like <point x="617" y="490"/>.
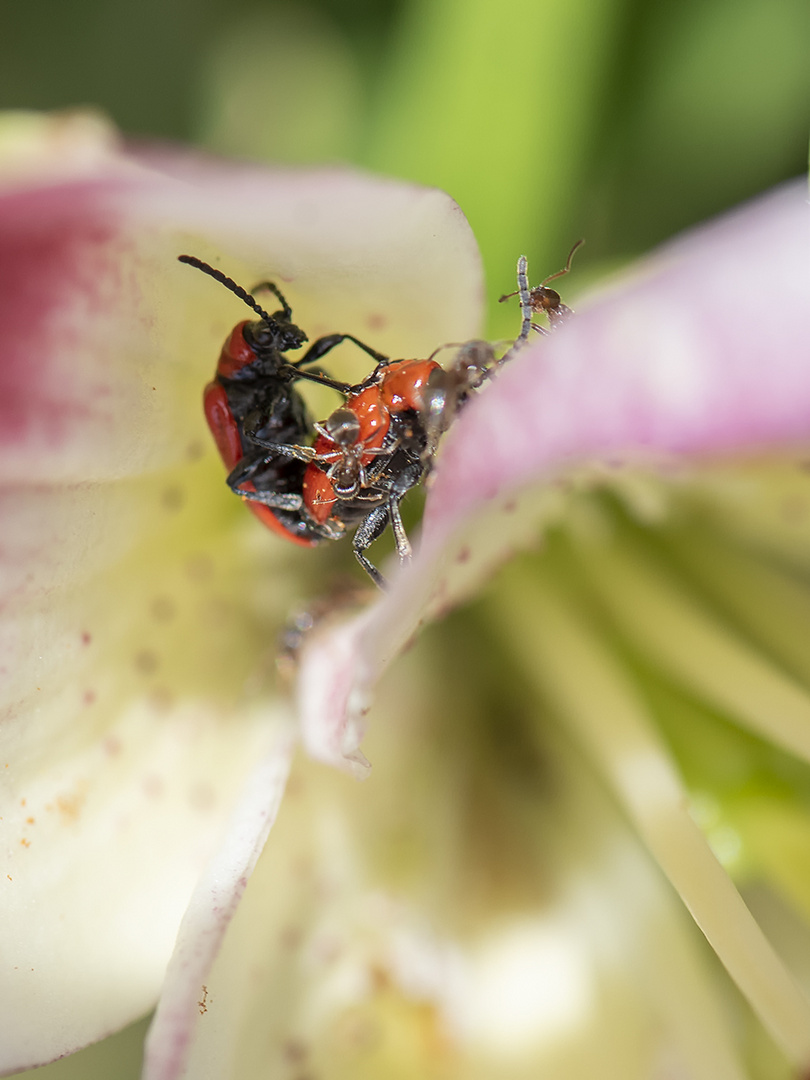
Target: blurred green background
<point x="621" y="121"/>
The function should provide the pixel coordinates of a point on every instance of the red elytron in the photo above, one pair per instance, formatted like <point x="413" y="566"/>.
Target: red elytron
<point x="343" y="450"/>
<point x="252" y="403"/>
<point x="236" y="355"/>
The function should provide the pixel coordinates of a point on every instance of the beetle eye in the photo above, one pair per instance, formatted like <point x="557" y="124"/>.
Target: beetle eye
<point x="260" y="334"/>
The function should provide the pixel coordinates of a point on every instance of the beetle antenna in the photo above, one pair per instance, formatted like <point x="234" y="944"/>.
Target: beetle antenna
<point x="229" y="283"/>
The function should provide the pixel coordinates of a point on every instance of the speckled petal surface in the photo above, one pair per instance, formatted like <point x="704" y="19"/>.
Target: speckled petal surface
<point x="139" y="603"/>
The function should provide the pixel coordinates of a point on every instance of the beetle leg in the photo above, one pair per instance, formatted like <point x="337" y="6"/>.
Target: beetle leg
<point x="273" y="499"/>
<point x="372" y="526"/>
<point x="323" y="380"/>
<point x="325" y="344"/>
<point x="404" y="549"/>
<point x="290" y="450"/>
<point x="242" y="471"/>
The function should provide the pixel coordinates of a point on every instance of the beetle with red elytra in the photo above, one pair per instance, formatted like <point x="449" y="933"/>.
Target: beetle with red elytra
<point x="367" y="454"/>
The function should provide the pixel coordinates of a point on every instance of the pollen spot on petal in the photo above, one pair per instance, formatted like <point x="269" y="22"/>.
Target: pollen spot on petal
<point x="147" y="662"/>
<point x="70" y="806"/>
<point x="202" y="797"/>
<point x="290" y="938"/>
<point x="153" y="787"/>
<point x="172" y="498"/>
<point x="163" y="609"/>
<point x="295" y="787"/>
<point x="328" y="951"/>
<point x="25" y="843"/>
<point x="199" y="568"/>
<point x="294" y="1051"/>
<point x="161" y="699"/>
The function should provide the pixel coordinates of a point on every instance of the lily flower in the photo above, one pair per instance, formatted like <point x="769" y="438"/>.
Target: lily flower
<point x="567" y="771"/>
<point x="145" y="743"/>
<point x="594" y="768"/>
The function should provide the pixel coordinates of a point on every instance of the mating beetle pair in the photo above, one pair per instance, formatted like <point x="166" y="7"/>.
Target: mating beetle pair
<point x="368" y="453"/>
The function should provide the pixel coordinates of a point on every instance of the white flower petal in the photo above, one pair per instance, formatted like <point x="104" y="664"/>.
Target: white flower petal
<point x="139" y="613"/>
<point x="210" y="910"/>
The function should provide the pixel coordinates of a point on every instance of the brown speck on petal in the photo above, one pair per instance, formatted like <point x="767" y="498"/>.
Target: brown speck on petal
<point x="86" y="638"/>
<point x="295" y="787"/>
<point x="153" y="786"/>
<point x="294" y="1050"/>
<point x="89" y="697"/>
<point x="146" y="662"/>
<point x="172" y="498"/>
<point x="163" y="609"/>
<point x="112" y="746"/>
<point x="199" y="568"/>
<point x="377" y="321"/>
<point x="161" y="699"/>
<point x="202" y="797"/>
<point x="69" y="806"/>
<point x="195" y="450"/>
<point x="290" y="938"/>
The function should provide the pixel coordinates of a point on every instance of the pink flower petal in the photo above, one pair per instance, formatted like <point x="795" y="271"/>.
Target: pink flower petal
<point x="683" y="361"/>
<point x="705" y="352"/>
